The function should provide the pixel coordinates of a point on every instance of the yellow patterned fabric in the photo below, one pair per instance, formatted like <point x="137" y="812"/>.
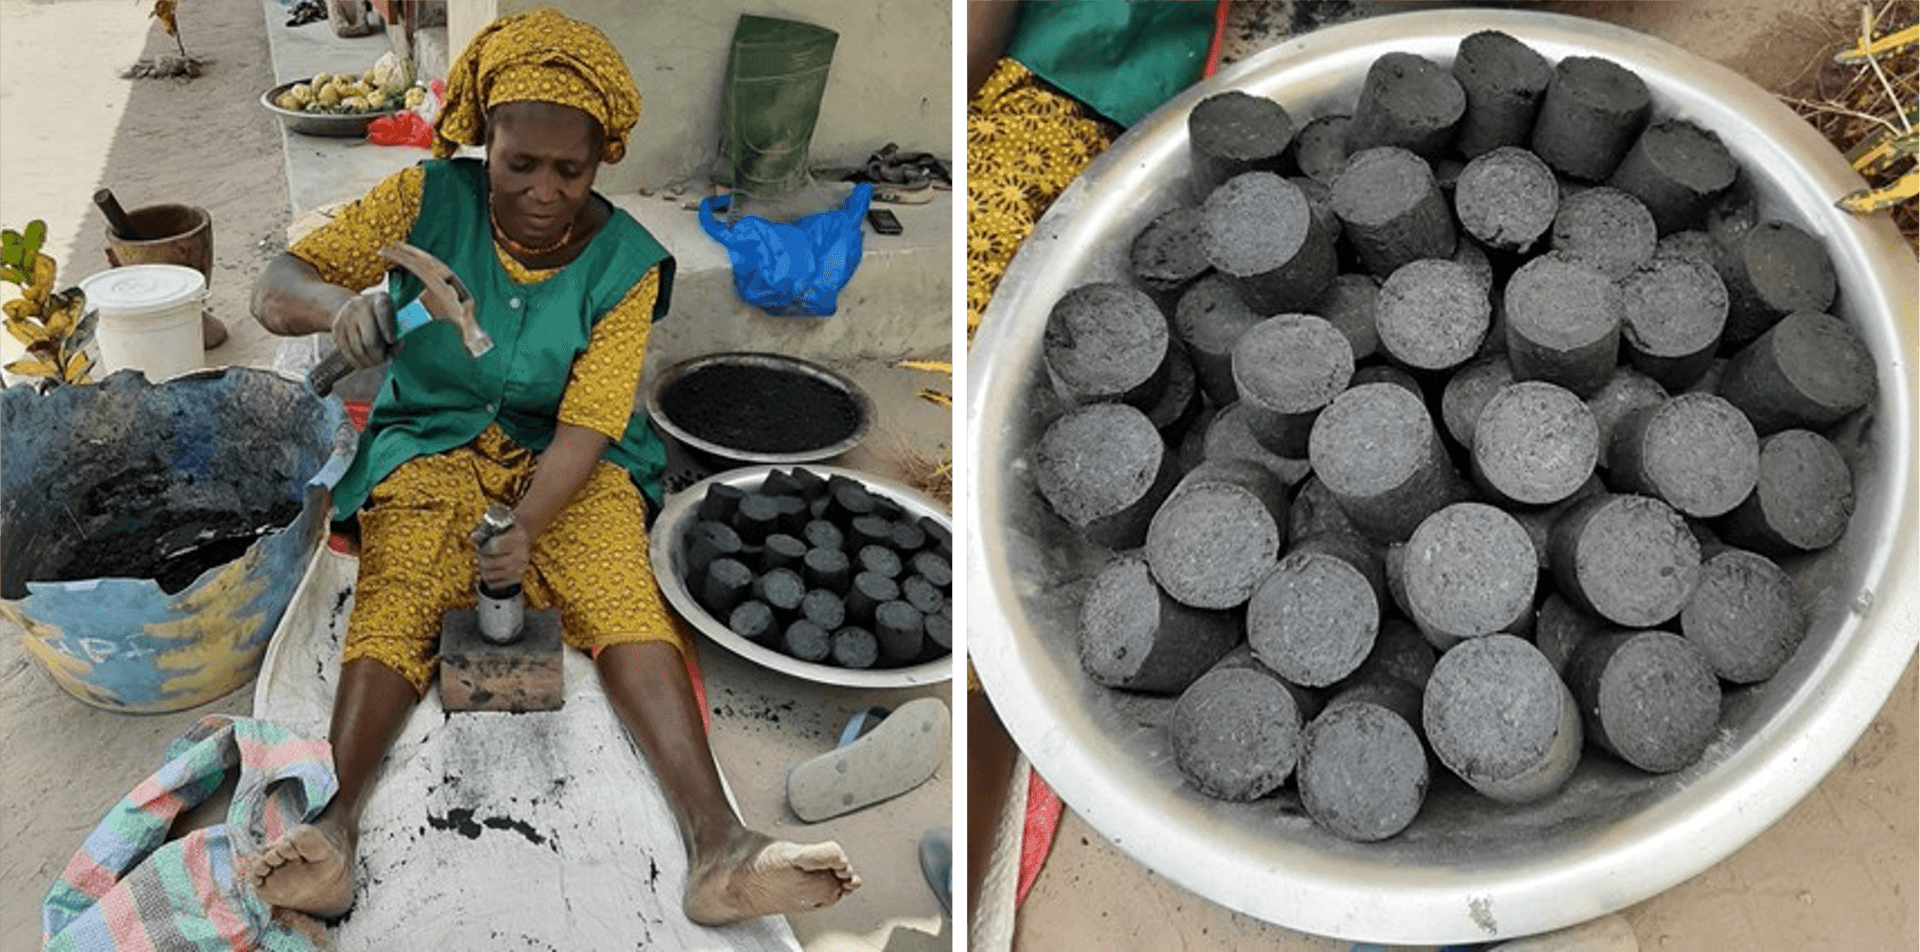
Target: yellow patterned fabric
<point x="542" y="56"/>
<point x="1025" y="144"/>
<point x="604" y="378"/>
<point x="417" y="562"/>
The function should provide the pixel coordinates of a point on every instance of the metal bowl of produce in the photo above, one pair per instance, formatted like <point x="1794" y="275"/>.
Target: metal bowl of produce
<point x="745" y="408"/>
<point x="668" y="553"/>
<point x="1468" y="869"/>
<point x="336" y="125"/>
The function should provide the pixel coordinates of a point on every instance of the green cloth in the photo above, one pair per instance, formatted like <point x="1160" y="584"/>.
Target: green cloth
<point x="436" y="396"/>
<point x="1122" y="59"/>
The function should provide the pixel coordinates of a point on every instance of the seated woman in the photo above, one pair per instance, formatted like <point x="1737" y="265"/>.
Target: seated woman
<point x="568" y="287"/>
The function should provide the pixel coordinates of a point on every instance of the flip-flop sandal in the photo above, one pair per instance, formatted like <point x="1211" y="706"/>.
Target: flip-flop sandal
<point x="936" y="862"/>
<point x="881" y="755"/>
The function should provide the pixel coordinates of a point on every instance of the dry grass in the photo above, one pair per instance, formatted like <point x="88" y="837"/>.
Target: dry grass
<point x="1852" y="103"/>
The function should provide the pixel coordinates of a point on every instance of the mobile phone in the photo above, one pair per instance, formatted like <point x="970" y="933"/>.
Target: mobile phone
<point x="884" y="222"/>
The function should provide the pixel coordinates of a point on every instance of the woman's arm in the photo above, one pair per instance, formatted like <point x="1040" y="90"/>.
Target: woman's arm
<point x="562" y="470"/>
<point x="291" y="298"/>
<point x="989" y="28"/>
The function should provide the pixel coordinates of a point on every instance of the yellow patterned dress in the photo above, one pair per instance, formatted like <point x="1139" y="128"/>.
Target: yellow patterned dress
<point x="1026" y="143"/>
<point x="416" y="562"/>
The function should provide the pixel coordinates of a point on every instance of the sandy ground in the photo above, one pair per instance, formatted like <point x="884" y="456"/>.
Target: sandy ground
<point x="73" y="126"/>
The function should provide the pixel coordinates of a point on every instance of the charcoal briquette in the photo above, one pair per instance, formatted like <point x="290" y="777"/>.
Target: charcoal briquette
<point x="1391" y="211"/>
<point x="1313" y="618"/>
<point x="1106" y="342"/>
<point x="1744" y="616"/>
<point x="1801" y="501"/>
<point x="751" y="620"/>
<point x="1592" y="113"/>
<point x="1407" y="101"/>
<point x="1534" y="444"/>
<point x="826" y="568"/>
<point x="1217" y="534"/>
<point x="725" y="585"/>
<point x="1232" y="133"/>
<point x="821" y="534"/>
<point x="1210" y="319"/>
<point x="781" y="551"/>
<point x="1772" y="270"/>
<point x="1672" y="312"/>
<point x="720" y="502"/>
<point x="781" y="590"/>
<point x="824" y="608"/>
<point x="756" y="517"/>
<point x="1320" y="148"/>
<point x="1507" y="198"/>
<point x="1805" y="372"/>
<point x="1286" y="369"/>
<point x="1504" y="81"/>
<point x="934" y="568"/>
<point x="1469" y="570"/>
<point x="1376" y="450"/>
<point x="868" y="530"/>
<point x="1499" y="718"/>
<point x="1676" y="169"/>
<point x="1625" y="391"/>
<point x="1235" y="733"/>
<point x="901" y="630"/>
<point x="1260" y="231"/>
<point x="1230" y="436"/>
<point x="1647" y="697"/>
<point x="1563" y="323"/>
<point x="1606" y="228"/>
<point x="1433" y="314"/>
<point x="806" y="641"/>
<point x="707" y="541"/>
<point x="867" y="593"/>
<point x="1105" y="470"/>
<point x="855" y="648"/>
<point x="1350" y="304"/>
<point x="922" y="594"/>
<point x="1167" y="256"/>
<point x="1696" y="451"/>
<point x="1362" y="773"/>
<point x="1467" y="393"/>
<point x="1627" y="558"/>
<point x="1134" y="636"/>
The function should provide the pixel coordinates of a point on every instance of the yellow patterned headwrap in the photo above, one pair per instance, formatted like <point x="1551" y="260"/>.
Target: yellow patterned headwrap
<point x="543" y="56"/>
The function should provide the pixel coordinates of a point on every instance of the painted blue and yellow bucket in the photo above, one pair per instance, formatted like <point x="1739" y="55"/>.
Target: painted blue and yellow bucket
<point x="124" y="644"/>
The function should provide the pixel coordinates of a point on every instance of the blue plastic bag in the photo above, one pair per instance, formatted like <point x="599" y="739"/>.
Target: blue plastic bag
<point x="792" y="270"/>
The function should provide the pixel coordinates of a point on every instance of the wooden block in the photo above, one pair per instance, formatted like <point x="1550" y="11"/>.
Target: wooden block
<point x="1672" y="312"/>
<point x="1593" y="112"/>
<point x="1744" y="616"/>
<point x="1217" y="534"/>
<point x="1499" y="718"/>
<point x="1696" y="452"/>
<point x="1628" y="559"/>
<point x="1135" y="637"/>
<point x="1235" y="734"/>
<point x="1504" y="81"/>
<point x="1802" y="498"/>
<point x="1805" y="372"/>
<point x="1232" y="133"/>
<point x="1648" y="697"/>
<point x="478" y="675"/>
<point x="1534" y="444"/>
<point x="1407" y="101"/>
<point x="1676" y="169"/>
<point x="1391" y="211"/>
<point x="1469" y="571"/>
<point x="1260" y="231"/>
<point x="1507" y="198"/>
<point x="1563" y="323"/>
<point x="1433" y="314"/>
<point x="1106" y="342"/>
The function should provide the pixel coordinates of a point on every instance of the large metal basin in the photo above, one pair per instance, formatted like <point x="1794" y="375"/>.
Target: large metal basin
<point x="1468" y="869"/>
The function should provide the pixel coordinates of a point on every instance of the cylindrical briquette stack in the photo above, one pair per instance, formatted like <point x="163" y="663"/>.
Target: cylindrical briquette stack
<point x="1600" y="484"/>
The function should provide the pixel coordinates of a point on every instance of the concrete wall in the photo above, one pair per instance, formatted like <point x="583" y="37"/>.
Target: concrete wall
<point x="891" y="79"/>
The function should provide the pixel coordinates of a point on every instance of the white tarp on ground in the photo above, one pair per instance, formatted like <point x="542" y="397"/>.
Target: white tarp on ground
<point x="495" y="831"/>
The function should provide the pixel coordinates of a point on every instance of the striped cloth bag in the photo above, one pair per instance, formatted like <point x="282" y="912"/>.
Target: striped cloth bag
<point x="125" y="890"/>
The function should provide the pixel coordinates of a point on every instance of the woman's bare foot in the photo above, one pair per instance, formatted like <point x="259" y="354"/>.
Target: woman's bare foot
<point x="309" y="870"/>
<point x="755" y="875"/>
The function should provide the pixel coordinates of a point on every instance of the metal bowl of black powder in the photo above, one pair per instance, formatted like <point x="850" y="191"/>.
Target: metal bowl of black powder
<point x="748" y="408"/>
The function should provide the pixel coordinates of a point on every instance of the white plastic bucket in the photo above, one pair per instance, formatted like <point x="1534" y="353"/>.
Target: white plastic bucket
<point x="149" y="318"/>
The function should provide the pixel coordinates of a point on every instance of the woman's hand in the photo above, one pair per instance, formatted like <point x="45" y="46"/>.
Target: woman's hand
<point x="363" y="328"/>
<point x="503" y="560"/>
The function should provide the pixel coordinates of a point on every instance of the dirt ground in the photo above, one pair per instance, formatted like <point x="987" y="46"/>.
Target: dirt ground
<point x="168" y="146"/>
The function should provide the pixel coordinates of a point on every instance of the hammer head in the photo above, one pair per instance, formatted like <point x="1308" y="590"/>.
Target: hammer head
<point x="445" y="296"/>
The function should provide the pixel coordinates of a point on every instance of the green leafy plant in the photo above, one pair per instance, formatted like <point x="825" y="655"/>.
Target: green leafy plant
<point x="55" y="326"/>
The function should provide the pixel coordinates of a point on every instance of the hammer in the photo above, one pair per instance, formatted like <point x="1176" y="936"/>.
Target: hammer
<point x="443" y="298"/>
<point x="497" y="656"/>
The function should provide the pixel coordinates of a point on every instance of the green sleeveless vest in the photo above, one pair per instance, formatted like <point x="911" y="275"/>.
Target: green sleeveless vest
<point x="436" y="396"/>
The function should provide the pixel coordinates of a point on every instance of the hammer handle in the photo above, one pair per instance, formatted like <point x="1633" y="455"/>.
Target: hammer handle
<point x="328" y="372"/>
